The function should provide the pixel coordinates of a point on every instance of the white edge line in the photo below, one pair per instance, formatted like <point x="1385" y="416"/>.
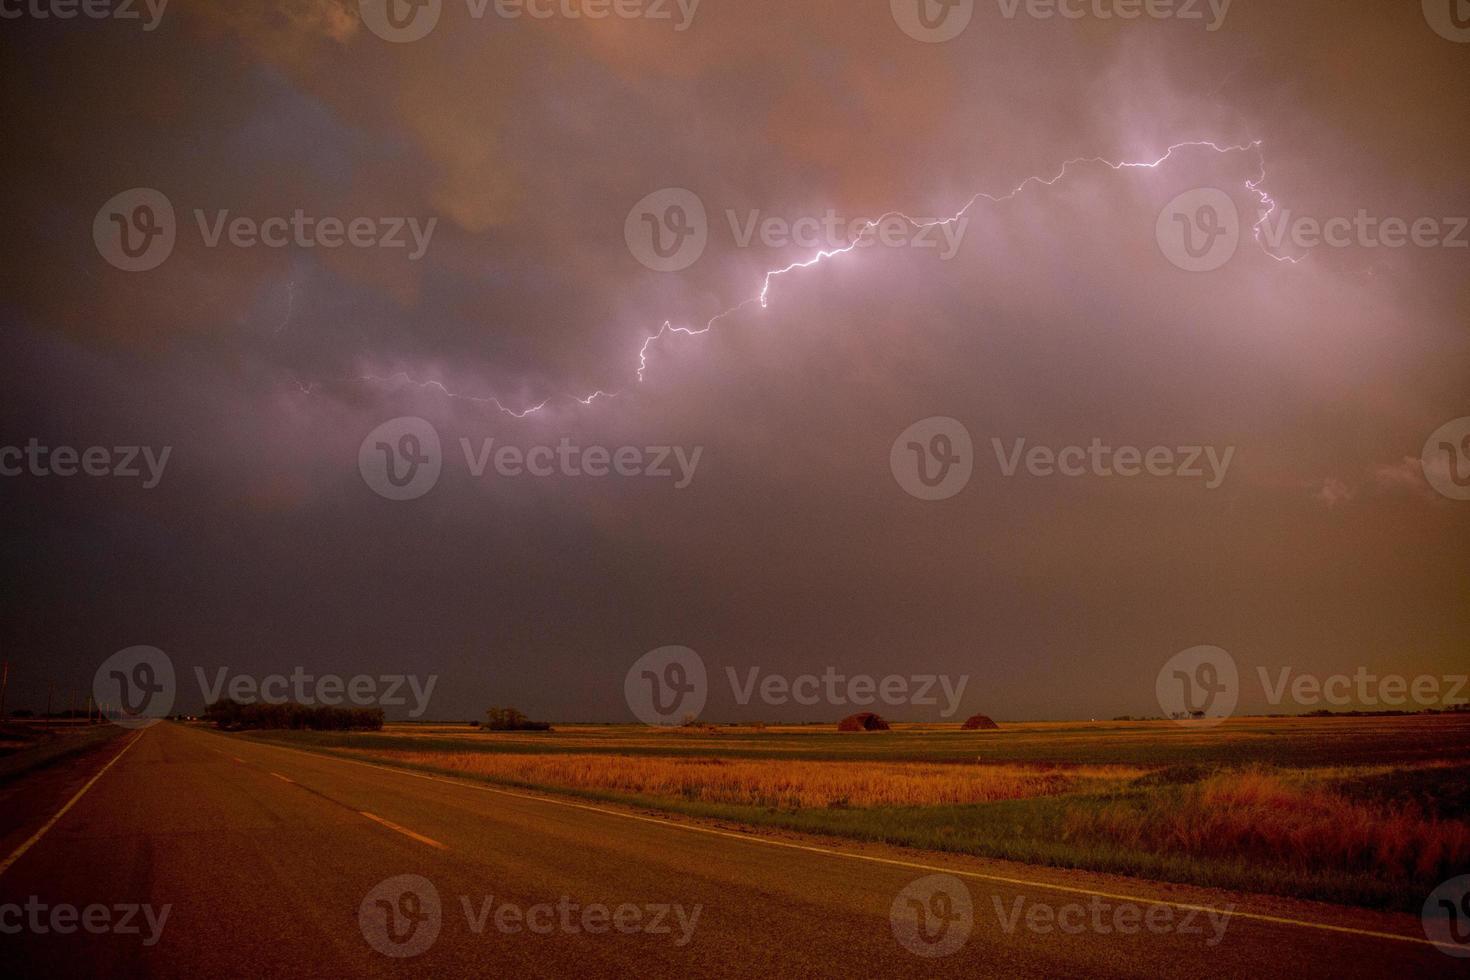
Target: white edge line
<point x="813" y="849"/>
<point x="15" y="855"/>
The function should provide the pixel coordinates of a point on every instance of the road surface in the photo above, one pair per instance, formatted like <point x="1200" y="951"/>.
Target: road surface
<point x="272" y="862"/>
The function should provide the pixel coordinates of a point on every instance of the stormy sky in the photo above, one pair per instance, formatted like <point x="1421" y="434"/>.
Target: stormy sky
<point x="1058" y="320"/>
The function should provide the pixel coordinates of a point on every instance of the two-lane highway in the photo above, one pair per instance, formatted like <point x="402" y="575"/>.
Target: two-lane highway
<point x="272" y="862"/>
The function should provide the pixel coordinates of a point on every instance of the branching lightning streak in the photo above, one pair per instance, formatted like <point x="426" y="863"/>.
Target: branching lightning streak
<point x="1254" y="185"/>
<point x="290" y="306"/>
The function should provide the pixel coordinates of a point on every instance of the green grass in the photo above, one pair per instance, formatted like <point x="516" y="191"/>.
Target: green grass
<point x="1400" y="764"/>
<point x="1291" y="742"/>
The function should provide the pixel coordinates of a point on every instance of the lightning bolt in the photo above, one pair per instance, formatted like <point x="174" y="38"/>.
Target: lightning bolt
<point x="1255" y="186"/>
<point x="290" y="306"/>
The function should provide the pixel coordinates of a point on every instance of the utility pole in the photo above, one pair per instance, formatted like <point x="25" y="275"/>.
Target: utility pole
<point x="50" y="689"/>
<point x="4" y="683"/>
<point x="89" y="709"/>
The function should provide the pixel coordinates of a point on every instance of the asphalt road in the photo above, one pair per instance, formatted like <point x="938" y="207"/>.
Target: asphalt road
<point x="271" y="863"/>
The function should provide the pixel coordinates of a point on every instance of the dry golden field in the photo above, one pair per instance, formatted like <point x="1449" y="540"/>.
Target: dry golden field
<point x="1368" y="810"/>
<point x="783" y="784"/>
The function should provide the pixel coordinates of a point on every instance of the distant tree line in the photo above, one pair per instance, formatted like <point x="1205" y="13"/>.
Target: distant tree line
<point x="232" y="715"/>
<point x="511" y="720"/>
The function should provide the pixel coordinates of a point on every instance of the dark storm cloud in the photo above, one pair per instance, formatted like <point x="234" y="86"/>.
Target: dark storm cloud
<point x="792" y="547"/>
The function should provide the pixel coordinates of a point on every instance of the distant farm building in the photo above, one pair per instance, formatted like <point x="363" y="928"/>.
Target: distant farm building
<point x="863" y="721"/>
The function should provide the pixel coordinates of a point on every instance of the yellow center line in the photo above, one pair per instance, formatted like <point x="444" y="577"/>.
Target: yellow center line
<point x="283" y="778"/>
<point x="403" y="830"/>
